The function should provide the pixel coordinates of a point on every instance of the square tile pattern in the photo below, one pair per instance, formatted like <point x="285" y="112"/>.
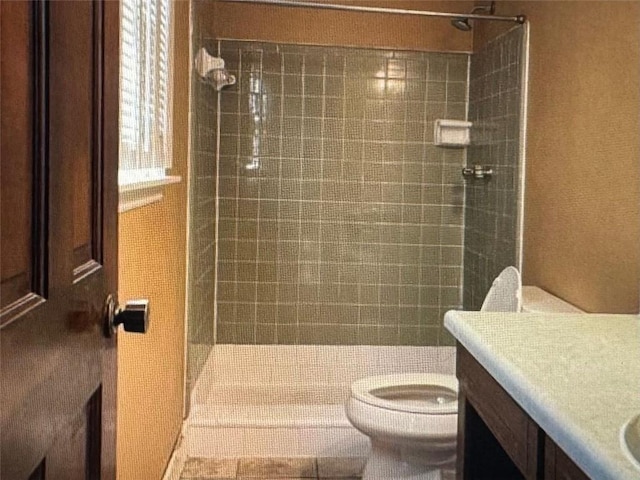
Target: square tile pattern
<point x="491" y="208"/>
<point x="272" y="468"/>
<point x="202" y="236"/>
<point x="339" y="220"/>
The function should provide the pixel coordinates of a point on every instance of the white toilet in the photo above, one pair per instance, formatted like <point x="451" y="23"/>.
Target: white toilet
<point x="412" y="421"/>
<point x="412" y="418"/>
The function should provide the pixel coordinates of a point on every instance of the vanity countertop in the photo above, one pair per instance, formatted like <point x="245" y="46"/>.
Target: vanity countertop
<point x="576" y="375"/>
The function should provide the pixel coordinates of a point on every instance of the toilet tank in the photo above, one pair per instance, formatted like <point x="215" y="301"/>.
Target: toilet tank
<point x="537" y="300"/>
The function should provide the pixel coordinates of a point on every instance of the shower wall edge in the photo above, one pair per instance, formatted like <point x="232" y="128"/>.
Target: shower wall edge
<point x="524" y="105"/>
<point x="217" y="221"/>
<point x="464" y="184"/>
<point x="186" y="403"/>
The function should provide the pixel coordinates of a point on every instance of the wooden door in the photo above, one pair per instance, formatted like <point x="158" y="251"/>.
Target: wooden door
<point x="58" y="257"/>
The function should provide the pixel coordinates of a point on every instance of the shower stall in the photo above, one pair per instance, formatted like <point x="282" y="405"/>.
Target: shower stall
<point x="329" y="233"/>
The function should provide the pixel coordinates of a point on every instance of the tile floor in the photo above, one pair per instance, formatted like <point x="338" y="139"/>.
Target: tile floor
<point x="273" y="468"/>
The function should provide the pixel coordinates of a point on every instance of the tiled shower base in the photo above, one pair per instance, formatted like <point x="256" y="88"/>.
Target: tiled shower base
<point x="288" y="401"/>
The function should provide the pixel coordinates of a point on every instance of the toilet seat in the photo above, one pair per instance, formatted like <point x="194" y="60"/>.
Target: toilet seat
<point x="421" y="393"/>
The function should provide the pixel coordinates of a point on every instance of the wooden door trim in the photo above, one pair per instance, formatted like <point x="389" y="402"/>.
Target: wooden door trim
<point x="109" y="205"/>
<point x="19" y="308"/>
<point x="40" y="213"/>
<point x="97" y="159"/>
<point x="88" y="259"/>
<point x="109" y="143"/>
<point x="94" y="442"/>
<point x="85" y="270"/>
<point x="36" y="284"/>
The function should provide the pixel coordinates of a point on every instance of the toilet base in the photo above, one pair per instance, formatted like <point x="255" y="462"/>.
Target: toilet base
<point x="393" y="462"/>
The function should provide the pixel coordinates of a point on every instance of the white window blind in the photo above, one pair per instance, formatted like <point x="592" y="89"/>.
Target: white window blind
<point x="145" y="89"/>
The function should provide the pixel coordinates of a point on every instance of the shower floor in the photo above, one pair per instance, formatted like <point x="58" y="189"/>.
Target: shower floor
<point x="288" y="401"/>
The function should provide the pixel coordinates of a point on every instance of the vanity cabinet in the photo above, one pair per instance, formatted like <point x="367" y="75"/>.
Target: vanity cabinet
<point x="557" y="465"/>
<point x="496" y="437"/>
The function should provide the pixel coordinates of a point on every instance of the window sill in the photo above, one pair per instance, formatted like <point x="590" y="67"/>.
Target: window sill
<point x="138" y="194"/>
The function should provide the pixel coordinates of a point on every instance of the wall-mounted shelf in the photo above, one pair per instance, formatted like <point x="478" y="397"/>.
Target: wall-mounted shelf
<point x="451" y="133"/>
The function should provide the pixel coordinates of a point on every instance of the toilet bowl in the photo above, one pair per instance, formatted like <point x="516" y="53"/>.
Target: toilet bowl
<point x="411" y="420"/>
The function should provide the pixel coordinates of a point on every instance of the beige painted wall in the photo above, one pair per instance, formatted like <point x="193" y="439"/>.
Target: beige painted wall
<point x="326" y="27"/>
<point x="582" y="207"/>
<point x="152" y="265"/>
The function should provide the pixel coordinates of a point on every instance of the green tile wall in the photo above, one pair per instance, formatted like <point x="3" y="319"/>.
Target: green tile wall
<point x="202" y="228"/>
<point x="339" y="220"/>
<point x="492" y="239"/>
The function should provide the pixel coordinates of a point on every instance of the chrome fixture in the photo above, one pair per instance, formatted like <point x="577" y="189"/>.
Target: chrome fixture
<point x="212" y="70"/>
<point x="462" y="23"/>
<point x="134" y="317"/>
<point x="391" y="11"/>
<point x="477" y="171"/>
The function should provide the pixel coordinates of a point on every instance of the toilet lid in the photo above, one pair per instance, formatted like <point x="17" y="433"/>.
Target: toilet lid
<point x="426" y="393"/>
<point x="505" y="295"/>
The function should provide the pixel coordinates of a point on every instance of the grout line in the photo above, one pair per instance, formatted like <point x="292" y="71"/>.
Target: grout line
<point x="258" y="104"/>
<point x="237" y="185"/>
<point x="300" y="233"/>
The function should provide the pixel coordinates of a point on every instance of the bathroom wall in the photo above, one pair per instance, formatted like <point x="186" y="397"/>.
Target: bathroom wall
<point x="491" y="205"/>
<point x="327" y="27"/>
<point x="202" y="214"/>
<point x="152" y="265"/>
<point x="340" y="222"/>
<point x="582" y="206"/>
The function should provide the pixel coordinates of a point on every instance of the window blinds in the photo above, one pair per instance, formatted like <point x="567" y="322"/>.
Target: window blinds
<point x="145" y="68"/>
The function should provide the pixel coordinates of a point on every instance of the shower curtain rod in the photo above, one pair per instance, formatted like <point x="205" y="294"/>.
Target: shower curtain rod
<point x="393" y="11"/>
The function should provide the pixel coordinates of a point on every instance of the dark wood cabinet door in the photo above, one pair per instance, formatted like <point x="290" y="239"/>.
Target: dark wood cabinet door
<point x="558" y="465"/>
<point x="496" y="438"/>
<point x="58" y="256"/>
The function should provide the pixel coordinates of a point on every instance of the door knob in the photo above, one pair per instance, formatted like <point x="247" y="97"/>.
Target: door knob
<point x="134" y="317"/>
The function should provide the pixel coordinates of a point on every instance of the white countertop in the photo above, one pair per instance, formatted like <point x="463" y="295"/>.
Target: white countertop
<point x="576" y="375"/>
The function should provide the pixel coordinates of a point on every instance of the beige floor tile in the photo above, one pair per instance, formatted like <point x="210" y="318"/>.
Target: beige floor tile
<point x="340" y="467"/>
<point x="272" y="468"/>
<point x="208" y="478"/>
<point x="210" y="468"/>
<point x="340" y="478"/>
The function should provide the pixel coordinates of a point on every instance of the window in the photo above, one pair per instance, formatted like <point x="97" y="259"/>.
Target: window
<point x="145" y="93"/>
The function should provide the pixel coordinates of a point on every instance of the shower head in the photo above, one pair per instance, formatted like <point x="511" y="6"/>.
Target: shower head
<point x="462" y="23"/>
